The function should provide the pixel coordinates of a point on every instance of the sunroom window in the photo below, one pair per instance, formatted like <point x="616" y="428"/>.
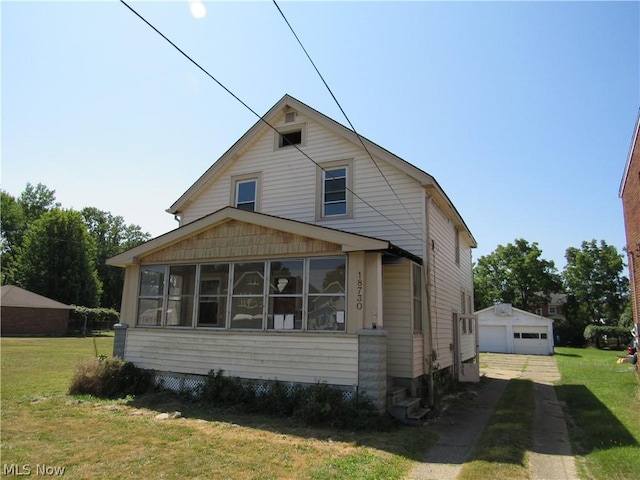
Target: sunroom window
<point x="327" y="302"/>
<point x="151" y="295"/>
<point x="286" y="281"/>
<point x="247" y="301"/>
<point x="280" y="294"/>
<point x="212" y="307"/>
<point x="182" y="286"/>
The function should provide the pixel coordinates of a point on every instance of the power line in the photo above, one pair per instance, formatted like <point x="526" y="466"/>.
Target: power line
<point x="344" y="113"/>
<point x="261" y="118"/>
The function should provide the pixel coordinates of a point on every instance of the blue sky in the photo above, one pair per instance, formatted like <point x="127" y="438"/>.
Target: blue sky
<point x="523" y="112"/>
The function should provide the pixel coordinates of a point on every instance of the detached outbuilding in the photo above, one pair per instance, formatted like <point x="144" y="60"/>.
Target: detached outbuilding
<point x="27" y="313"/>
<point x="505" y="329"/>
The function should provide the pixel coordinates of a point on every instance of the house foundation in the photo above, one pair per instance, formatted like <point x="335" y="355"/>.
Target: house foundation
<point x="372" y="366"/>
<point x="120" y="339"/>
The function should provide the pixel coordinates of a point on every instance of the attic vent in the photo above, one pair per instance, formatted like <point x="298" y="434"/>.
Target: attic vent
<point x="503" y="309"/>
<point x="289" y="117"/>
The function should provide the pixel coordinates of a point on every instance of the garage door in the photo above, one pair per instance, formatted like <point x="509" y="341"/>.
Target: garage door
<point x="530" y="340"/>
<point x="493" y="338"/>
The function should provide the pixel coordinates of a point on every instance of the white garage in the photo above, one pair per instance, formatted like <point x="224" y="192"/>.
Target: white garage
<point x="505" y="329"/>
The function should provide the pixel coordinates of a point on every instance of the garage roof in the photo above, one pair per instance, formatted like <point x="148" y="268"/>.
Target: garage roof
<point x="13" y="296"/>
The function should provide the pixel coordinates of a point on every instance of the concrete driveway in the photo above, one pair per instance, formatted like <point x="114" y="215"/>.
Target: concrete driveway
<point x="551" y="457"/>
<point x="538" y="368"/>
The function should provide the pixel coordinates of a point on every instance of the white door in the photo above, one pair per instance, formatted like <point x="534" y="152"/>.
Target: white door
<point x="493" y="338"/>
<point x="530" y="340"/>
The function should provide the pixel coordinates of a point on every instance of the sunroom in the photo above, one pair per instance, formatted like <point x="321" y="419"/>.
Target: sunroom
<point x="263" y="298"/>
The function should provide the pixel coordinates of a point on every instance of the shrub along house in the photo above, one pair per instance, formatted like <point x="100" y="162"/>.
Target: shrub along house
<point x="304" y="258"/>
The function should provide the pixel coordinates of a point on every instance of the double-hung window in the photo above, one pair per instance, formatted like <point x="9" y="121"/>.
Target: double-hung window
<point x="334" y="196"/>
<point x="246" y="195"/>
<point x="245" y="192"/>
<point x="334" y="184"/>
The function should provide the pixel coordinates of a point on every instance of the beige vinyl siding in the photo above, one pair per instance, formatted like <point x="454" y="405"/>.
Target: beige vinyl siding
<point x="450" y="279"/>
<point x="397" y="318"/>
<point x="289" y="186"/>
<point x="418" y="354"/>
<point x="290" y="358"/>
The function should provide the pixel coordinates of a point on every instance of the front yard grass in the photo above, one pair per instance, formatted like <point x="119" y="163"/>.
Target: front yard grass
<point x="93" y="438"/>
<point x="602" y="400"/>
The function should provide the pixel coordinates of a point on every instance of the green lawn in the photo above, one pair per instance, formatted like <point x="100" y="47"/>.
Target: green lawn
<point x="603" y="402"/>
<point x="601" y="398"/>
<point x="501" y="451"/>
<point x="92" y="438"/>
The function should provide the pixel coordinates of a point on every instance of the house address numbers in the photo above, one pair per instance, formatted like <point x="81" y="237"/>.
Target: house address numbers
<point x="359" y="291"/>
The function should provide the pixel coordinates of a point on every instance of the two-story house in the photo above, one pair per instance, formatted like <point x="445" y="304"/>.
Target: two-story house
<point x="307" y="254"/>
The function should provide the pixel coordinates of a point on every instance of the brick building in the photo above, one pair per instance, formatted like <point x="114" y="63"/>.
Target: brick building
<point x="630" y="194"/>
<point x="27" y="313"/>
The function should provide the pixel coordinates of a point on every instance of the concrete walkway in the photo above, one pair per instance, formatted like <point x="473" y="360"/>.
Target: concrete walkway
<point x="551" y="458"/>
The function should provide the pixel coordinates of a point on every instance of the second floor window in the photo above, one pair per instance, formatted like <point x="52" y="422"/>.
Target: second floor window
<point x="334" y="194"/>
<point x="246" y="195"/>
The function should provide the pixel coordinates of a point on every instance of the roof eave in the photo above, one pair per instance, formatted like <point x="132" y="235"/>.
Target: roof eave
<point x="349" y="242"/>
<point x="632" y="148"/>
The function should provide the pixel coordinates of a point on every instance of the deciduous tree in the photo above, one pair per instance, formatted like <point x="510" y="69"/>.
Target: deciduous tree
<point x="516" y="274"/>
<point x="111" y="236"/>
<point x="57" y="259"/>
<point x="593" y="278"/>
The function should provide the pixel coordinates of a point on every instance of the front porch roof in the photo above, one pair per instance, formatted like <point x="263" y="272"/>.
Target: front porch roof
<point x="349" y="242"/>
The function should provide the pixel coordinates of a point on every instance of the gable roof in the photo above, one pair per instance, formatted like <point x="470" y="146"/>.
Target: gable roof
<point x="632" y="148"/>
<point x="515" y="313"/>
<point x="12" y="296"/>
<point x="349" y="242"/>
<point x="426" y="180"/>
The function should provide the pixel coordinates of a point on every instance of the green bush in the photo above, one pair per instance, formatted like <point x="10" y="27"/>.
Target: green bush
<point x="317" y="404"/>
<point x="595" y="333"/>
<point x="109" y="378"/>
<point x="85" y="319"/>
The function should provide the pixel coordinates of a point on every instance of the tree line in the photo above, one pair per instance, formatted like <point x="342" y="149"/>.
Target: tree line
<point x="597" y="292"/>
<point x="61" y="253"/>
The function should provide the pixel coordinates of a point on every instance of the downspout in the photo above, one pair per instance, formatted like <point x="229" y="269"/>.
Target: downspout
<point x="426" y="319"/>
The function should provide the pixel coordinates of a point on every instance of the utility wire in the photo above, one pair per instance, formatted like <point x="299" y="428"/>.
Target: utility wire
<point x="344" y="113"/>
<point x="261" y="118"/>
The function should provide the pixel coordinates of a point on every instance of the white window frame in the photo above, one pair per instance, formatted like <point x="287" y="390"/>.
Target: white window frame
<point x="552" y="310"/>
<point x="320" y="185"/>
<point x="237" y="180"/>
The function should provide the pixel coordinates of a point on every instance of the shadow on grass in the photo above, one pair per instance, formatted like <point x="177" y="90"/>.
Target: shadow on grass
<point x="593" y="426"/>
<point x="388" y="435"/>
<point x="573" y="355"/>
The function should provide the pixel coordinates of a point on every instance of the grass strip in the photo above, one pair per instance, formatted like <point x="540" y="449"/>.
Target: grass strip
<point x="501" y="451"/>
<point x="601" y="398"/>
